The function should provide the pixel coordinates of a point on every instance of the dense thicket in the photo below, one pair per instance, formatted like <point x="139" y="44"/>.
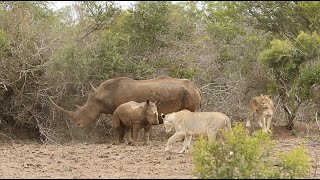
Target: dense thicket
<point x="231" y="50"/>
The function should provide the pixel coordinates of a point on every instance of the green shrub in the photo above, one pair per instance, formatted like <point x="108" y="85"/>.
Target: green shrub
<point x="294" y="164"/>
<point x="243" y="156"/>
<point x="186" y="73"/>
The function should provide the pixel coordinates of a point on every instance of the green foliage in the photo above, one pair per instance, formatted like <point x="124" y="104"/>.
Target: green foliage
<point x="182" y="20"/>
<point x="115" y="58"/>
<point x="279" y="54"/>
<point x="224" y="30"/>
<point x="311" y="11"/>
<point x="282" y="18"/>
<point x="99" y="13"/>
<point x="222" y="20"/>
<point x="294" y="69"/>
<point x="242" y="156"/>
<point x="309" y="76"/>
<point x="238" y="157"/>
<point x="272" y="88"/>
<point x="295" y="163"/>
<point x="72" y="63"/>
<point x="289" y="62"/>
<point x="147" y="21"/>
<point x="308" y="44"/>
<point x="187" y="72"/>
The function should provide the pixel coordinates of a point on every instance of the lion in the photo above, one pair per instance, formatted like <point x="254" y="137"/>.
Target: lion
<point x="263" y="107"/>
<point x="187" y="123"/>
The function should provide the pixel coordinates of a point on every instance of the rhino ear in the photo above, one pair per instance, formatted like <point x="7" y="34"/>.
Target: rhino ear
<point x="157" y="102"/>
<point x="163" y="116"/>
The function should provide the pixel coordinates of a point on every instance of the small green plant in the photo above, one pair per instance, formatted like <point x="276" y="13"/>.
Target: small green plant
<point x="242" y="156"/>
<point x="294" y="164"/>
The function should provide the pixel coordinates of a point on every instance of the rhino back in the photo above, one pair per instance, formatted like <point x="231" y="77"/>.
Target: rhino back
<point x="173" y="94"/>
<point x="131" y="112"/>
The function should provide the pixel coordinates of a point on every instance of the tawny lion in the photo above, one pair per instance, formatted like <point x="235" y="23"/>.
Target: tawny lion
<point x="187" y="123"/>
<point x="263" y="107"/>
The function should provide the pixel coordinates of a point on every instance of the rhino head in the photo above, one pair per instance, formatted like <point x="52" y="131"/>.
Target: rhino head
<point x="86" y="114"/>
<point x="152" y="112"/>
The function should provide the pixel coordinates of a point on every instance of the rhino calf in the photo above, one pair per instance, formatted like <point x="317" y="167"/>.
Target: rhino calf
<point x="187" y="123"/>
<point x="132" y="117"/>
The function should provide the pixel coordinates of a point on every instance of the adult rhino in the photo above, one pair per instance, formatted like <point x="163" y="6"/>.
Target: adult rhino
<point x="172" y="95"/>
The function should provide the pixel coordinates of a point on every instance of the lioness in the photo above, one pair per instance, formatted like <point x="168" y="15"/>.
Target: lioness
<point x="262" y="106"/>
<point x="187" y="123"/>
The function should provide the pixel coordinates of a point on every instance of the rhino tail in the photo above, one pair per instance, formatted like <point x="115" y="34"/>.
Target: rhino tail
<point x="115" y="120"/>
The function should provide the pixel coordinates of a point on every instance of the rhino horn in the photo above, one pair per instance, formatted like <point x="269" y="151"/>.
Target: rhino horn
<point x="69" y="113"/>
<point x="93" y="88"/>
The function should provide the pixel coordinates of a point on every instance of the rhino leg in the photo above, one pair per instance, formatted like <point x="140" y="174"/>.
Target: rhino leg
<point x="128" y="135"/>
<point x="115" y="136"/>
<point x="147" y="130"/>
<point x="115" y="126"/>
<point x="121" y="133"/>
<point x="135" y="134"/>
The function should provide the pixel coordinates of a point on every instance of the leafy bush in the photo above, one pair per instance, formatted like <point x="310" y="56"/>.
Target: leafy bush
<point x="294" y="70"/>
<point x="187" y="72"/>
<point x="243" y="156"/>
<point x="294" y="164"/>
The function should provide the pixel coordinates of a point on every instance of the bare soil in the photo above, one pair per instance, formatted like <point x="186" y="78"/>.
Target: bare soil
<point x="29" y="159"/>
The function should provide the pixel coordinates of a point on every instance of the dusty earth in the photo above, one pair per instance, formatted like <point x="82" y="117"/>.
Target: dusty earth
<point x="28" y="159"/>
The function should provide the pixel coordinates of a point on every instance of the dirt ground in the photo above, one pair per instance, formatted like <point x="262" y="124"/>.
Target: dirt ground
<point x="28" y="159"/>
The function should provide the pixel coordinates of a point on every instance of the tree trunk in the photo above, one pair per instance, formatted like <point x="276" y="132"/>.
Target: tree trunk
<point x="290" y="124"/>
<point x="290" y="116"/>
